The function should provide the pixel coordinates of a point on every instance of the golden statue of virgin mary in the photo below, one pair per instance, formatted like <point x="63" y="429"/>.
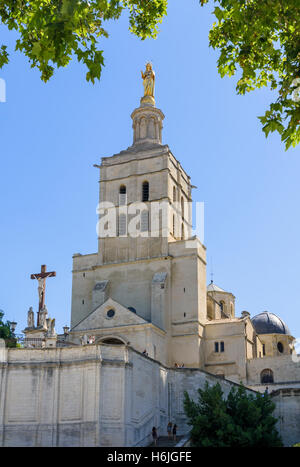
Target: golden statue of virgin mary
<point x="148" y="82"/>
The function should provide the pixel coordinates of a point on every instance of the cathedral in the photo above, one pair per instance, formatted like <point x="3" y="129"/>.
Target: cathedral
<point x="148" y="290"/>
<point x="143" y="313"/>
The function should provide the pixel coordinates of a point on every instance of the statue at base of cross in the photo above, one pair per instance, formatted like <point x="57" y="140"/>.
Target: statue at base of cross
<point x="30" y="318"/>
<point x="43" y="317"/>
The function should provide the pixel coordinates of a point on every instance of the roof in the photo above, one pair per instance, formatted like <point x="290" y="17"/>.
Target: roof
<point x="268" y="323"/>
<point x="214" y="288"/>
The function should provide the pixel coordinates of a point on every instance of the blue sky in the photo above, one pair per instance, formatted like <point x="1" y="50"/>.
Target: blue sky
<point x="52" y="134"/>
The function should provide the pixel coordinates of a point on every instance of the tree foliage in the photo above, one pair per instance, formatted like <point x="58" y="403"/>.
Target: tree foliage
<point x="6" y="332"/>
<point x="260" y="39"/>
<point x="52" y="31"/>
<point x="241" y="420"/>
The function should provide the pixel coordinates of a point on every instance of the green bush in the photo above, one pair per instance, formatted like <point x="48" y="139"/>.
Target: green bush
<point x="6" y="332"/>
<point x="241" y="420"/>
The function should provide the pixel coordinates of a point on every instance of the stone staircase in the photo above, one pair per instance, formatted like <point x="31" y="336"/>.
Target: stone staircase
<point x="164" y="441"/>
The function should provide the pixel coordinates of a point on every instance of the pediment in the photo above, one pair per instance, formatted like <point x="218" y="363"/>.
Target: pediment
<point x="109" y="314"/>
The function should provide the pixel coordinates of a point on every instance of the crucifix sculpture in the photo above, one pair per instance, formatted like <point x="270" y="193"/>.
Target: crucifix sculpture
<point x="41" y="278"/>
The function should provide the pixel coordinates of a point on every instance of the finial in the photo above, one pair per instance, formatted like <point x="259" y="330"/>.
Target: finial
<point x="148" y="77"/>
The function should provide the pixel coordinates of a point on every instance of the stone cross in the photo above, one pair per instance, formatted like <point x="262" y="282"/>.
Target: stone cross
<point x="41" y="278"/>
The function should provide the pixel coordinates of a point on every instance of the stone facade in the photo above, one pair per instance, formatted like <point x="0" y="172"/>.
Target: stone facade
<point x="140" y="308"/>
<point x="287" y="411"/>
<point x="93" y="395"/>
<point x="153" y="283"/>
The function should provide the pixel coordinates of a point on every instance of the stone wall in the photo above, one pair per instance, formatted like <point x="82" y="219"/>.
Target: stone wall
<point x="285" y="368"/>
<point x="94" y="395"/>
<point x="288" y="413"/>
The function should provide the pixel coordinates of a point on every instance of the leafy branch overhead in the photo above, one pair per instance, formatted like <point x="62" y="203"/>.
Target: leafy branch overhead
<point x="258" y="39"/>
<point x="52" y="31"/>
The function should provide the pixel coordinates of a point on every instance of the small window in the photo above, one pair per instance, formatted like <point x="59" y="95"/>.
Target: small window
<point x="122" y="195"/>
<point x="110" y="313"/>
<point x="145" y="191"/>
<point x="216" y="346"/>
<point x="222" y="346"/>
<point x="174" y="193"/>
<point x="280" y="347"/>
<point x="264" y="349"/>
<point x="223" y="308"/>
<point x="182" y="232"/>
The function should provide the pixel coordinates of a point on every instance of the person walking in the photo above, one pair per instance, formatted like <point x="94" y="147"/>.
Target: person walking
<point x="174" y="431"/>
<point x="169" y="430"/>
<point x="154" y="435"/>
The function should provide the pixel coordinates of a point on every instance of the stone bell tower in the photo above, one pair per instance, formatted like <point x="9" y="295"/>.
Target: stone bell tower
<point x="147" y="282"/>
<point x="143" y="187"/>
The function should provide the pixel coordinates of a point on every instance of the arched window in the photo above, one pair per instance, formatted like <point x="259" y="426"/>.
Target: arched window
<point x="182" y="231"/>
<point x="280" y="347"/>
<point x="122" y="195"/>
<point x="223" y="307"/>
<point x="122" y="224"/>
<point x="174" y="193"/>
<point x="267" y="376"/>
<point x="144" y="221"/>
<point x="182" y="207"/>
<point x="145" y="191"/>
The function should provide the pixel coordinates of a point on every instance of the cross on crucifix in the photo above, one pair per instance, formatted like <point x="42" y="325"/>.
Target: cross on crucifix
<point x="41" y="278"/>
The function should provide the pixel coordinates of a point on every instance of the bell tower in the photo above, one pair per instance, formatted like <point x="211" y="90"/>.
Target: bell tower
<point x="147" y="260"/>
<point x="145" y="194"/>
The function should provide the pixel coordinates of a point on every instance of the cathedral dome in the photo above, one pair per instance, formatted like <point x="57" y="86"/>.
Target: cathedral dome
<point x="268" y="323"/>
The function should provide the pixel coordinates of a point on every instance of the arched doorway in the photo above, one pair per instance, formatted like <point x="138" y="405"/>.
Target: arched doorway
<point x="111" y="340"/>
<point x="267" y="376"/>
